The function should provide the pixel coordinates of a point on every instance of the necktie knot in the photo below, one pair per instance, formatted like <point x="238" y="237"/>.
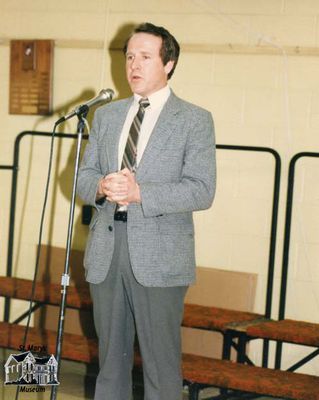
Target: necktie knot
<point x="144" y="103"/>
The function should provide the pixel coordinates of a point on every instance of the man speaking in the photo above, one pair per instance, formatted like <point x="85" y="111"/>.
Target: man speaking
<point x="149" y="163"/>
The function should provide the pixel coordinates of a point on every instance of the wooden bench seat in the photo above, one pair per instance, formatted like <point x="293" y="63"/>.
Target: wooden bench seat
<point x="74" y="347"/>
<point x="215" y="318"/>
<point x="195" y="316"/>
<point x="290" y="331"/>
<point x="246" y="378"/>
<point x="48" y="293"/>
<point x="196" y="369"/>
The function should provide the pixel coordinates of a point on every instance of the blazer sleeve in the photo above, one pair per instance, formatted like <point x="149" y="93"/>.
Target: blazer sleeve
<point x="196" y="188"/>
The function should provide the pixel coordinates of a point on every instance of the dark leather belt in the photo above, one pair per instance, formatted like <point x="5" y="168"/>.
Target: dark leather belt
<point x="120" y="216"/>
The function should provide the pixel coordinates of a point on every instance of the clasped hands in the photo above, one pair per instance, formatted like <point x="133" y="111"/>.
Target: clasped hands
<point x="119" y="187"/>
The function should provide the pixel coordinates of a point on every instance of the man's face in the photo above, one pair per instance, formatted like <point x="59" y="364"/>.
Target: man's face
<point x="145" y="71"/>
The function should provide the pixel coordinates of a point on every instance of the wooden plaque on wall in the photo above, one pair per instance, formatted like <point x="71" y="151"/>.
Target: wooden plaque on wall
<point x="31" y="77"/>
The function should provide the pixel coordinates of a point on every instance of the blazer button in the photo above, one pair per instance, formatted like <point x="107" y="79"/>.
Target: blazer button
<point x="110" y="228"/>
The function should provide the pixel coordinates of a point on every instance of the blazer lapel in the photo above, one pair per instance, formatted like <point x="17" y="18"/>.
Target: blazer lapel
<point x="164" y="128"/>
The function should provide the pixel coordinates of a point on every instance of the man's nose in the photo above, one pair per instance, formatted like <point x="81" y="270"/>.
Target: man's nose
<point x="135" y="63"/>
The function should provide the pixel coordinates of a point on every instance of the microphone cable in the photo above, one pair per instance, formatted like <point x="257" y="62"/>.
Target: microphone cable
<point x="39" y="243"/>
<point x="37" y="262"/>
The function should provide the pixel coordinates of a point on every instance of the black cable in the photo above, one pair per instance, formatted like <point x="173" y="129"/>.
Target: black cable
<point x="39" y="243"/>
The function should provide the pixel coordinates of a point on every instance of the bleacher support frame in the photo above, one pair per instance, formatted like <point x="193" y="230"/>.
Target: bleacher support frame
<point x="273" y="233"/>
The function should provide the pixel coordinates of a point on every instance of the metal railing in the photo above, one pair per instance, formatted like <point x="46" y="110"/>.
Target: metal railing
<point x="274" y="218"/>
<point x="273" y="231"/>
<point x="285" y="258"/>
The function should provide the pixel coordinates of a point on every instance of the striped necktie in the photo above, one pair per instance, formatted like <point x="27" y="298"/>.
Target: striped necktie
<point x="130" y="152"/>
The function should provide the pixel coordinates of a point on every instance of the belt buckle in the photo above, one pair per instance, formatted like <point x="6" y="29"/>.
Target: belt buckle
<point x="120" y="216"/>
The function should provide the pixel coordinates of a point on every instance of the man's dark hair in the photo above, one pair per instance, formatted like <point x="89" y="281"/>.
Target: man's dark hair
<point x="170" y="47"/>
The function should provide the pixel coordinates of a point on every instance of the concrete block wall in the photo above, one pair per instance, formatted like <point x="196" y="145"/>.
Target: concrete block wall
<point x="264" y="94"/>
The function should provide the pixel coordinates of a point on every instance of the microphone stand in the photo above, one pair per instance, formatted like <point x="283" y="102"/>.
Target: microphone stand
<point x="66" y="277"/>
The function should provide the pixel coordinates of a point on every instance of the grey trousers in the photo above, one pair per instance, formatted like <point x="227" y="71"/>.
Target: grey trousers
<point x="123" y="307"/>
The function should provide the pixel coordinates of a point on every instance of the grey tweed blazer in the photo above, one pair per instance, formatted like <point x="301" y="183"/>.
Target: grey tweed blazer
<point x="177" y="175"/>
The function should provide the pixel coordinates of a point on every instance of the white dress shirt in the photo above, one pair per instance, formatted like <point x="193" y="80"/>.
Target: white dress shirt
<point x="152" y="112"/>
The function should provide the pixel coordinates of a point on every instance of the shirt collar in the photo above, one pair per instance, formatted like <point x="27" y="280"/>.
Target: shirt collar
<point x="156" y="99"/>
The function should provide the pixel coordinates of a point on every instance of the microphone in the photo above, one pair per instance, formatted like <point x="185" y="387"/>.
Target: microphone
<point x="105" y="95"/>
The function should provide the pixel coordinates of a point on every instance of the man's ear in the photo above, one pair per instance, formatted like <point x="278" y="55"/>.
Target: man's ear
<point x="169" y="66"/>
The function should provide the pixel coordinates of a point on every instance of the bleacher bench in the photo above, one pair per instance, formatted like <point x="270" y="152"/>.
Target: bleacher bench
<point x="198" y="371"/>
